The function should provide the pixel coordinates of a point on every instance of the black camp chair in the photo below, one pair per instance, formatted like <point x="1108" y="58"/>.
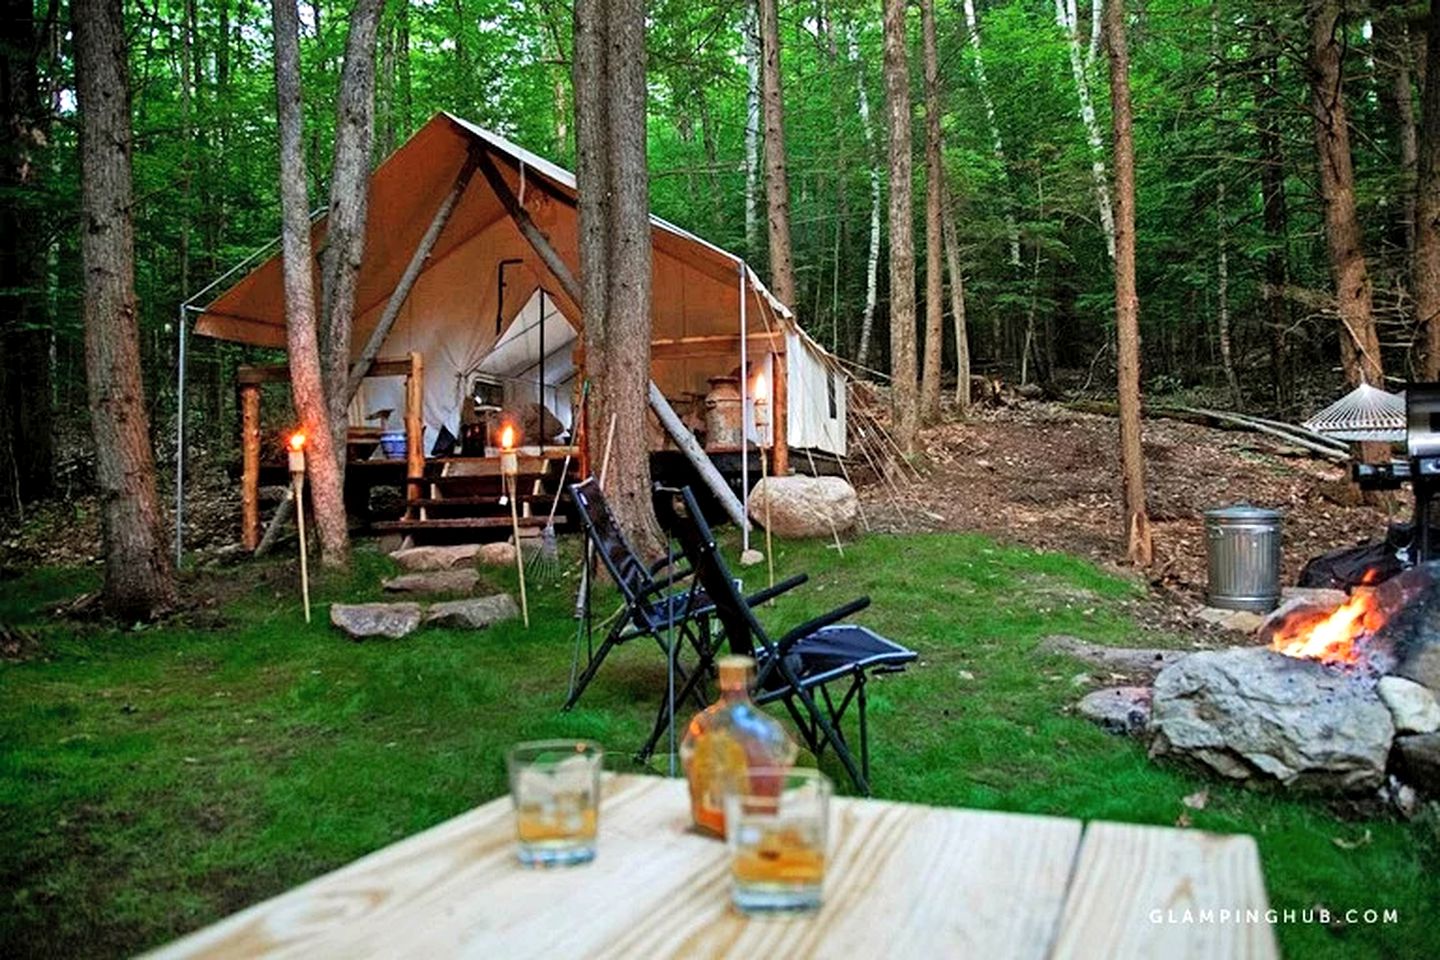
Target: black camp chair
<point x="659" y="597"/>
<point x="804" y="661"/>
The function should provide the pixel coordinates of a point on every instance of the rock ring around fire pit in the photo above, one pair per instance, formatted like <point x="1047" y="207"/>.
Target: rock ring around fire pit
<point x="1249" y="713"/>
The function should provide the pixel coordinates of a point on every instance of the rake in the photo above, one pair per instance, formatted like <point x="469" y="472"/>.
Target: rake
<point x="544" y="562"/>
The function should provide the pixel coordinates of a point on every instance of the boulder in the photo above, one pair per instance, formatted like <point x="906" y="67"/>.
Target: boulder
<point x="474" y="614"/>
<point x="801" y="506"/>
<point x="1417" y="761"/>
<point x="1239" y="621"/>
<point x="420" y="559"/>
<point x="1421" y="663"/>
<point x="363" y="620"/>
<point x="1253" y="715"/>
<point x="1412" y="706"/>
<point x="1122" y="710"/>
<point x="434" y="581"/>
<point x="496" y="555"/>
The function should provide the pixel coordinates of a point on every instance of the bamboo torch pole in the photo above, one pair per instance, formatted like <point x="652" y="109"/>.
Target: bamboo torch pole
<point x="762" y="419"/>
<point x="297" y="482"/>
<point x="510" y="471"/>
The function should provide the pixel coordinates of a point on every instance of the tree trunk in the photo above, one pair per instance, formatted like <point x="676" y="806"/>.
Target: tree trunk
<point x="777" y="183"/>
<point x="1359" y="342"/>
<point x="345" y="226"/>
<point x="139" y="579"/>
<point x="904" y="399"/>
<point x="1138" y="546"/>
<point x="26" y="444"/>
<point x="957" y="307"/>
<point x="872" y="256"/>
<point x="613" y="187"/>
<point x="1393" y="49"/>
<point x="307" y="384"/>
<point x="1425" y="269"/>
<point x="1272" y="199"/>
<point x="934" y="179"/>
<point x="997" y="145"/>
<point x="1068" y="19"/>
<point x="752" y="130"/>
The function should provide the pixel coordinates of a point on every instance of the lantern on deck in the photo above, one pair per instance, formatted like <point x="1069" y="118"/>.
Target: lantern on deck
<point x="509" y="459"/>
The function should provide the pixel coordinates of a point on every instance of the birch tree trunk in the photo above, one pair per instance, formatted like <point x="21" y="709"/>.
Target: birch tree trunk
<point x="752" y="130"/>
<point x="302" y="341"/>
<point x="777" y="183"/>
<point x="872" y="256"/>
<point x="1068" y="19"/>
<point x="1359" y="341"/>
<point x="997" y="145"/>
<point x="139" y="579"/>
<point x="934" y="177"/>
<point x="613" y="188"/>
<point x="345" y="224"/>
<point x="1139" y="548"/>
<point x="904" y="398"/>
<point x="1425" y="268"/>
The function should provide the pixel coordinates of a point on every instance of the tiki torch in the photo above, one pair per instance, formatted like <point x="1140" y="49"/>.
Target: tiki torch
<point x="762" y="418"/>
<point x="509" y="472"/>
<point x="297" y="483"/>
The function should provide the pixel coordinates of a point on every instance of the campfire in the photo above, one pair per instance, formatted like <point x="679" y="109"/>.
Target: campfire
<point x="1333" y="638"/>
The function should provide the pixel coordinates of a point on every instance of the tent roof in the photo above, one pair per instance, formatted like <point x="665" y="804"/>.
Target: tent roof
<point x="405" y="191"/>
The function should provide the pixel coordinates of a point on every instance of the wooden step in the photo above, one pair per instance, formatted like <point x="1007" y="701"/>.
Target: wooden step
<point x="481" y="501"/>
<point x="460" y="523"/>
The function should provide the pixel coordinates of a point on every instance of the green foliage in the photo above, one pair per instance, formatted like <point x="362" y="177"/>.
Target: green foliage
<point x="152" y="781"/>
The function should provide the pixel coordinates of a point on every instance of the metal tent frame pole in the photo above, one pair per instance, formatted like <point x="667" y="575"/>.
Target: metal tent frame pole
<point x="744" y="418"/>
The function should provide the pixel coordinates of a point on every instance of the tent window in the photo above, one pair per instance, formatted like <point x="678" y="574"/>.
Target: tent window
<point x="830" y="393"/>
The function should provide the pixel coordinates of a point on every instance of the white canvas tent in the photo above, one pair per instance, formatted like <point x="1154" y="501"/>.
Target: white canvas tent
<point x="460" y="317"/>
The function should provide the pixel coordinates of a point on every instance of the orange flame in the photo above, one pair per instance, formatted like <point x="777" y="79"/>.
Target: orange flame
<point x="1332" y="639"/>
<point x="297" y="441"/>
<point x="507" y="437"/>
<point x="762" y="392"/>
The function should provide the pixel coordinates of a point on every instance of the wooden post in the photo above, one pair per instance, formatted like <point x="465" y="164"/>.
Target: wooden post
<point x="250" y="472"/>
<point x="780" y="416"/>
<point x="415" y="429"/>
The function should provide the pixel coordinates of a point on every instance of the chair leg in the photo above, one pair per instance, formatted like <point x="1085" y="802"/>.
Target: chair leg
<point x="864" y="731"/>
<point x="597" y="658"/>
<point x="818" y="716"/>
<point x="691" y="684"/>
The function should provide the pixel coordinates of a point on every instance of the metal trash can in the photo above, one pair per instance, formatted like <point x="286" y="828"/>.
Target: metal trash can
<point x="1243" y="544"/>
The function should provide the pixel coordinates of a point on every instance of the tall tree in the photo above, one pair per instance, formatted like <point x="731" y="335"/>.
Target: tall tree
<point x="1068" y="18"/>
<point x="345" y="222"/>
<point x="1359" y="341"/>
<point x="1139" y="548"/>
<point x="1425" y="269"/>
<point x="997" y="143"/>
<point x="302" y="341"/>
<point x="872" y="255"/>
<point x="777" y="181"/>
<point x="751" y="29"/>
<point x="26" y="444"/>
<point x="139" y="579"/>
<point x="934" y="183"/>
<point x="612" y="181"/>
<point x="1274" y="213"/>
<point x="957" y="308"/>
<point x="904" y="397"/>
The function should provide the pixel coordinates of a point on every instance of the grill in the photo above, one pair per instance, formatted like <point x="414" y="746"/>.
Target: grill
<point x="1420" y="468"/>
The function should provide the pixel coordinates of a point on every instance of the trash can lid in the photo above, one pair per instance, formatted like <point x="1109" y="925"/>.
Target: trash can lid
<point x="1242" y="511"/>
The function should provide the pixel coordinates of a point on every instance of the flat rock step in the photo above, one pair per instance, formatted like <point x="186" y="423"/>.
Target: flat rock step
<point x="421" y="559"/>
<point x="434" y="581"/>
<point x="361" y="621"/>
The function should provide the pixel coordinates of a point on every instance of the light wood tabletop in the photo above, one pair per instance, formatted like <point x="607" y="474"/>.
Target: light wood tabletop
<point x="904" y="880"/>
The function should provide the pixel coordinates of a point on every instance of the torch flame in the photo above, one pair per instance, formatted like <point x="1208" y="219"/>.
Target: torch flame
<point x="297" y="441"/>
<point x="1333" y="639"/>
<point x="761" y="390"/>
<point x="507" y="437"/>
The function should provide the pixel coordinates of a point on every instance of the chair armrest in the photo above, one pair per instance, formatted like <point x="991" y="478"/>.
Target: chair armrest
<point x="676" y="561"/>
<point x="676" y="579"/>
<point x="770" y="593"/>
<point x="829" y="619"/>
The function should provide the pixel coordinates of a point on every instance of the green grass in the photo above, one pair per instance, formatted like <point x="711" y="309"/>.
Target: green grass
<point x="153" y="780"/>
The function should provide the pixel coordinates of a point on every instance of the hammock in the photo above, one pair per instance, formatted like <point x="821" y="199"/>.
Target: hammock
<point x="1365" y="413"/>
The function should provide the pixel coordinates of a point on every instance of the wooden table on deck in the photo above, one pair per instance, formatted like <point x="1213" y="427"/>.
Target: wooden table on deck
<point x="904" y="881"/>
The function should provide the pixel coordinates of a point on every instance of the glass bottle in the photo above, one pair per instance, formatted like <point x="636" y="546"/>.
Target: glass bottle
<point x="725" y="740"/>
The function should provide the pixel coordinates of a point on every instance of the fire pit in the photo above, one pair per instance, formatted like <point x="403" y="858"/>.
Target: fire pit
<point x="1324" y="703"/>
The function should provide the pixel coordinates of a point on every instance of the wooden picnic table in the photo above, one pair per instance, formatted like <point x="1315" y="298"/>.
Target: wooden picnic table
<point x="904" y="880"/>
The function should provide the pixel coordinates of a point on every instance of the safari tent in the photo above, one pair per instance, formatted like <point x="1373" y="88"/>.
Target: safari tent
<point x="484" y="300"/>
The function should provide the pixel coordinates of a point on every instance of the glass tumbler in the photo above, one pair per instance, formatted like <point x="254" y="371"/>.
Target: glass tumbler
<point x="777" y="828"/>
<point x="555" y="786"/>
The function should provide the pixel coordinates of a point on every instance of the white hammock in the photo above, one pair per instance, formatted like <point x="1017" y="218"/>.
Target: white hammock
<point x="1365" y="413"/>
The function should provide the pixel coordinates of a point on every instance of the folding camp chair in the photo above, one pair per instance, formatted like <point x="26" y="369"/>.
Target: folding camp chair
<point x="803" y="662"/>
<point x="659" y="598"/>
